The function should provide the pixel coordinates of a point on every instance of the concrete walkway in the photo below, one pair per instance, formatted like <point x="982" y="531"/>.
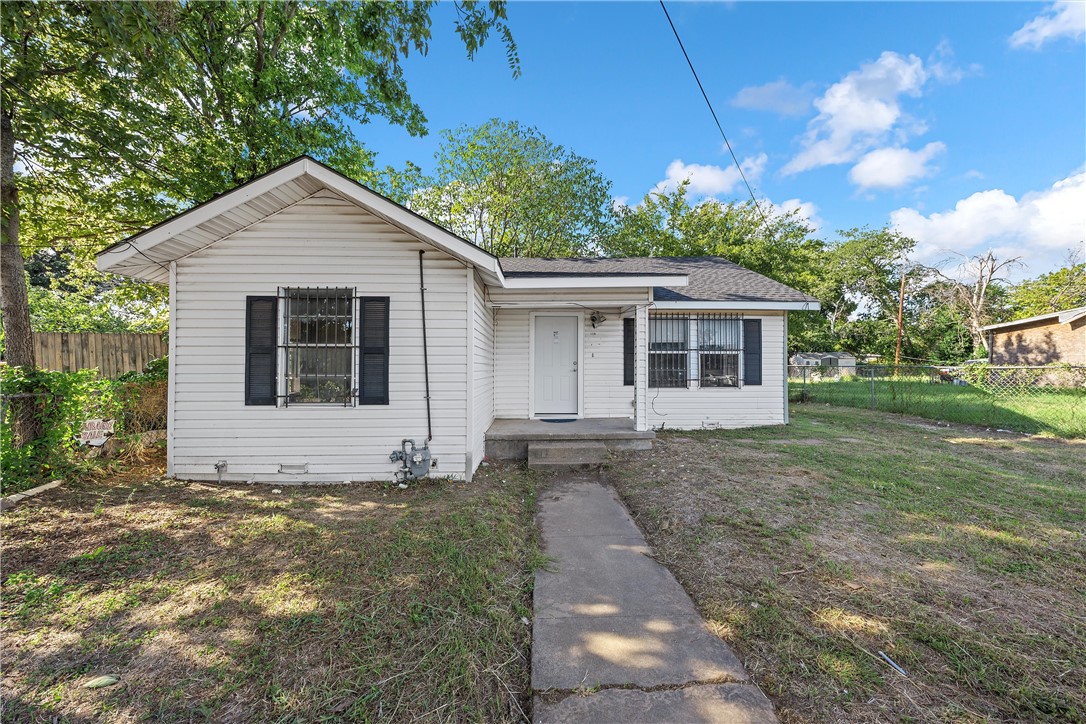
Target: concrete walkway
<point x="615" y="637"/>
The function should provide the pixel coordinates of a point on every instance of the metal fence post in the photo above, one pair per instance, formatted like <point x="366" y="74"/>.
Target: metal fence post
<point x="872" y="371"/>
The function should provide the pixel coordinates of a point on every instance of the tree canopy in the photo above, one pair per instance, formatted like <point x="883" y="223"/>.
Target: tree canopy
<point x="509" y="189"/>
<point x="116" y="114"/>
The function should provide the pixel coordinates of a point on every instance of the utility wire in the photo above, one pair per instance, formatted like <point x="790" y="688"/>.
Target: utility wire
<point x="719" y="127"/>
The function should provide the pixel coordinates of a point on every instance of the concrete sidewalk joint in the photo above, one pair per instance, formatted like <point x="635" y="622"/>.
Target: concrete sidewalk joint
<point x="615" y="637"/>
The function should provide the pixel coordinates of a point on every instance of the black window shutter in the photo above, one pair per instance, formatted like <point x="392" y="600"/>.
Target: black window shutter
<point x="629" y="334"/>
<point x="752" y="351"/>
<point x="373" y="352"/>
<point x="261" y="321"/>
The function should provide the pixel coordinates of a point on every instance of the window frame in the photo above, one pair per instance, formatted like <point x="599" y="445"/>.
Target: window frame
<point x="285" y="346"/>
<point x="693" y="350"/>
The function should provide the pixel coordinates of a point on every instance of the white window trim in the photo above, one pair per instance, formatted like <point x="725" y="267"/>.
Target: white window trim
<point x="693" y="353"/>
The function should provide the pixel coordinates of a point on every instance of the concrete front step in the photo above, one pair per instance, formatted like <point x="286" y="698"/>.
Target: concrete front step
<point x="566" y="455"/>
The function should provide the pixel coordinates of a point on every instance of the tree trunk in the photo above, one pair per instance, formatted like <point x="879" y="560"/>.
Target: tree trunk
<point x="18" y="340"/>
<point x="18" y="343"/>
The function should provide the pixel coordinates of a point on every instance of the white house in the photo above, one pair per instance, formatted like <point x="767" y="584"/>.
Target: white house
<point x="314" y="324"/>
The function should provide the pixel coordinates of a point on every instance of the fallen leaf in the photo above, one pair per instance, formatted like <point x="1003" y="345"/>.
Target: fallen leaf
<point x="853" y="586"/>
<point x="99" y="681"/>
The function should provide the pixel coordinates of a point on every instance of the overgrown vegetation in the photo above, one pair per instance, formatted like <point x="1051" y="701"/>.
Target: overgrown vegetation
<point x="59" y="404"/>
<point x="248" y="603"/>
<point x="812" y="548"/>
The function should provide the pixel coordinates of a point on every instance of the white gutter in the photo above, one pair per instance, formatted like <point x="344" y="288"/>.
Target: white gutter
<point x="601" y="281"/>
<point x="797" y="306"/>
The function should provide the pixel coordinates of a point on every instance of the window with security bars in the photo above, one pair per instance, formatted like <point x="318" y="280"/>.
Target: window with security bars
<point x="704" y="347"/>
<point x="669" y="350"/>
<point x="720" y="342"/>
<point x="319" y="338"/>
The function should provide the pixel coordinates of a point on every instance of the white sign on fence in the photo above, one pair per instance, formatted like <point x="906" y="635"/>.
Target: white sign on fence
<point x="95" y="432"/>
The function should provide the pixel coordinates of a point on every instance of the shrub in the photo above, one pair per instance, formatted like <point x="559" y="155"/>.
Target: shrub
<point x="62" y="402"/>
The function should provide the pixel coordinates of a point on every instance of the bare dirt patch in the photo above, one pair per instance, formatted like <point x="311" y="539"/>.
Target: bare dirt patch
<point x="960" y="560"/>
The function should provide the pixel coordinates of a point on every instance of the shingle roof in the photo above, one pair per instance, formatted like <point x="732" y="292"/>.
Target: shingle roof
<point x="712" y="278"/>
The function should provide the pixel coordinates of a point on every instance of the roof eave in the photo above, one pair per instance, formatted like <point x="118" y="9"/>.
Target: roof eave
<point x="113" y="258"/>
<point x="741" y="304"/>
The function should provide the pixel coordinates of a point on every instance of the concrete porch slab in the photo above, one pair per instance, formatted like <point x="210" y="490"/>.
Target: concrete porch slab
<point x="588" y="428"/>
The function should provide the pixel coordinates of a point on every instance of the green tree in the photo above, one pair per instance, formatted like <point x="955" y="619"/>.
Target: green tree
<point x="1052" y="292"/>
<point x="780" y="246"/>
<point x="513" y="192"/>
<point x="141" y="109"/>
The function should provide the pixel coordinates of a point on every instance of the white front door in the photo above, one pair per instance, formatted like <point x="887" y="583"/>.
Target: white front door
<point x="556" y="365"/>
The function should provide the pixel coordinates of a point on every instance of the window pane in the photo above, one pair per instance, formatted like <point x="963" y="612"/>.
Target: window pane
<point x="320" y="354"/>
<point x="667" y="369"/>
<point x="719" y="334"/>
<point x="668" y="333"/>
<point x="719" y="369"/>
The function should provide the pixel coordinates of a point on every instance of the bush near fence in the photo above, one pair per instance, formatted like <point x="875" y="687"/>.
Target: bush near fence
<point x="61" y="402"/>
<point x="1049" y="399"/>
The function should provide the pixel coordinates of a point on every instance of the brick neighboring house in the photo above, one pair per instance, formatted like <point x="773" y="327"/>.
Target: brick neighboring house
<point x="1040" y="340"/>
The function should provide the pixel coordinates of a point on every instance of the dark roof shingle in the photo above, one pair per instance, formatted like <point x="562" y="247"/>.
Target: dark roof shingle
<point x="712" y="278"/>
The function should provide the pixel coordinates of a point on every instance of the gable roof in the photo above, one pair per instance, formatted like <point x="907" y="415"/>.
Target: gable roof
<point x="1063" y="317"/>
<point x="713" y="279"/>
<point x="147" y="254"/>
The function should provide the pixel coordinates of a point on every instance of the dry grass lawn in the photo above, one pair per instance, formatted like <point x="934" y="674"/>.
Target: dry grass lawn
<point x="958" y="553"/>
<point x="248" y="603"/>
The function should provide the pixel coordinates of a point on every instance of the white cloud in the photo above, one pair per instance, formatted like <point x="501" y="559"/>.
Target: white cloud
<point x="779" y="96"/>
<point x="1058" y="20"/>
<point x="860" y="112"/>
<point x="619" y="202"/>
<point x="710" y="180"/>
<point x="1040" y="226"/>
<point x="892" y="168"/>
<point x="803" y="209"/>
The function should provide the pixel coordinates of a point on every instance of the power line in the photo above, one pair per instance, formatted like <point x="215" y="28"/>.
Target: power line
<point x="719" y="127"/>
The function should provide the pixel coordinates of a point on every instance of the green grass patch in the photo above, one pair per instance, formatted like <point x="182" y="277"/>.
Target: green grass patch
<point x="1059" y="412"/>
<point x="345" y="603"/>
<point x="811" y="548"/>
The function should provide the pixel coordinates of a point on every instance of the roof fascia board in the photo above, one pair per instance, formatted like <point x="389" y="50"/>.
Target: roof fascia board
<point x="796" y="306"/>
<point x="1025" y="320"/>
<point x="200" y="214"/>
<point x="370" y="200"/>
<point x="596" y="282"/>
<point x="1072" y="315"/>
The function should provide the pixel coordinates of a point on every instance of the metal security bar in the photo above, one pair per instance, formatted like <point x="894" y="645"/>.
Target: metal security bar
<point x="720" y="347"/>
<point x="706" y="347"/>
<point x="320" y="345"/>
<point x="669" y="350"/>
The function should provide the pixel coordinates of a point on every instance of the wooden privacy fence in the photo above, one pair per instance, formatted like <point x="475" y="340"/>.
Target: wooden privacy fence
<point x="112" y="354"/>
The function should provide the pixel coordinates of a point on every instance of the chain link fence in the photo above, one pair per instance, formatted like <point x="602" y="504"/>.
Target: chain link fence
<point x="1050" y="399"/>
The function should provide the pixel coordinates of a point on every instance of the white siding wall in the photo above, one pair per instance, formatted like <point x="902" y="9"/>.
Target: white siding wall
<point x="746" y="406"/>
<point x="321" y="241"/>
<point x="511" y="363"/>
<point x="482" y="374"/>
<point x="604" y="394"/>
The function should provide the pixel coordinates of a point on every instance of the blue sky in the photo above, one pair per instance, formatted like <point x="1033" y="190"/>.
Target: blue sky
<point x="960" y="124"/>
